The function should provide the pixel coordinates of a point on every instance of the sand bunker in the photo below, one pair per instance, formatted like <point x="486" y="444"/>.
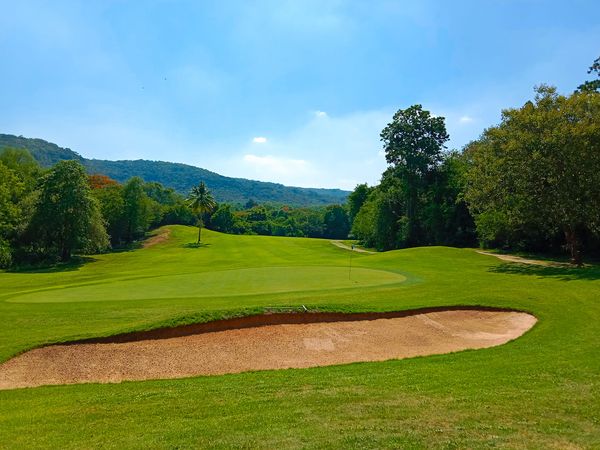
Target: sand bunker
<point x="270" y="341"/>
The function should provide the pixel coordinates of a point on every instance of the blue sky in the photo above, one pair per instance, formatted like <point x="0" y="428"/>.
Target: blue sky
<point x="288" y="91"/>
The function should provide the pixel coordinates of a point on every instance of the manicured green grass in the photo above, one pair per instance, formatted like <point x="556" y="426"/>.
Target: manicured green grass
<point x="218" y="283"/>
<point x="541" y="390"/>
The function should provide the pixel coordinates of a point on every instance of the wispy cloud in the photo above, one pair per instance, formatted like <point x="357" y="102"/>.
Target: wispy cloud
<point x="259" y="140"/>
<point x="341" y="152"/>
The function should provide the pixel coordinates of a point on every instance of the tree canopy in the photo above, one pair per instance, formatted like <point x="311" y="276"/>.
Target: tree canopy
<point x="592" y="85"/>
<point x="67" y="216"/>
<point x="201" y="201"/>
<point x="540" y="169"/>
<point x="413" y="142"/>
<point x="356" y="199"/>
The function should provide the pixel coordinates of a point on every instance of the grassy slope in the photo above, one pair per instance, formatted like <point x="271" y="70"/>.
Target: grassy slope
<point x="542" y="390"/>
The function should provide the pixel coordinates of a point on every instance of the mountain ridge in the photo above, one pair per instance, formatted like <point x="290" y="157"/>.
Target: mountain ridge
<point x="179" y="176"/>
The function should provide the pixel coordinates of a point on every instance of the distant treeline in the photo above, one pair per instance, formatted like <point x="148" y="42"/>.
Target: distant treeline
<point x="180" y="177"/>
<point x="317" y="222"/>
<point x="47" y="215"/>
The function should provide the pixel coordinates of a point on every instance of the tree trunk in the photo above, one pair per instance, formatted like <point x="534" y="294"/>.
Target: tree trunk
<point x="573" y="246"/>
<point x="65" y="254"/>
<point x="411" y="215"/>
<point x="199" y="233"/>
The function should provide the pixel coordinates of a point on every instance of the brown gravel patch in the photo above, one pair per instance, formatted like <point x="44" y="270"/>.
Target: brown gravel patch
<point x="264" y="342"/>
<point x="340" y="244"/>
<point x="520" y="260"/>
<point x="157" y="239"/>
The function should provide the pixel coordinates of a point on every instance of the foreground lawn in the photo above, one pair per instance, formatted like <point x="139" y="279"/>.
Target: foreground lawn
<point x="541" y="391"/>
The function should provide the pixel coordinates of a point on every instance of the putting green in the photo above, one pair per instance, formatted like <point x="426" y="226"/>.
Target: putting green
<point x="262" y="280"/>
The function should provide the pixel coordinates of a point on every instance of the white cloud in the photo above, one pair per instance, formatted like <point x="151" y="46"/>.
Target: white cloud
<point x="259" y="140"/>
<point x="322" y="114"/>
<point x="463" y="127"/>
<point x="338" y="152"/>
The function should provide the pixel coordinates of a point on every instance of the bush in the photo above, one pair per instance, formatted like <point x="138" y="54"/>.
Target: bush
<point x="5" y="254"/>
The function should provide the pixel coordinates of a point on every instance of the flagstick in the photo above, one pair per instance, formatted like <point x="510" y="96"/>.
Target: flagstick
<point x="350" y="266"/>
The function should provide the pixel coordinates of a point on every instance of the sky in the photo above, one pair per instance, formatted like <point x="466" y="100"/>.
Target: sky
<point x="294" y="92"/>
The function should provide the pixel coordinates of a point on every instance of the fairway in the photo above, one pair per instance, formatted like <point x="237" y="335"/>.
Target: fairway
<point x="539" y="390"/>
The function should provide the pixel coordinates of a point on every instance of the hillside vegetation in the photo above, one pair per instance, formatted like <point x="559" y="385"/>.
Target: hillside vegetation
<point x="180" y="177"/>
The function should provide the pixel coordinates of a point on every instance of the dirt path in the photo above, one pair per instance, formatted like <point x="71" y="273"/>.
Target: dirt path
<point x="311" y="340"/>
<point x="157" y="239"/>
<point x="518" y="259"/>
<point x="340" y="244"/>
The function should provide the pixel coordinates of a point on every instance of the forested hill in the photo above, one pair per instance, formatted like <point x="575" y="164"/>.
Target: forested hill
<point x="180" y="177"/>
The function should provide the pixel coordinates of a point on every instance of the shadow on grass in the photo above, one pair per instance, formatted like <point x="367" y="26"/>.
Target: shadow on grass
<point x="126" y="248"/>
<point x="195" y="245"/>
<point x="75" y="263"/>
<point x="562" y="273"/>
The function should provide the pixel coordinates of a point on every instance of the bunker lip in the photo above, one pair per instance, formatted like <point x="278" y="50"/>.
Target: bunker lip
<point x="271" y="318"/>
<point x="265" y="342"/>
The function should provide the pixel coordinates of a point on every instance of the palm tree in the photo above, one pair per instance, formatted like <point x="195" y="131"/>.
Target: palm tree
<point x="201" y="202"/>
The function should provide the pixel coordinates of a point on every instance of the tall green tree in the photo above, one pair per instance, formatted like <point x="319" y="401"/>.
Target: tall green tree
<point x="179" y="213"/>
<point x="223" y="219"/>
<point x="112" y="206"/>
<point x="540" y="168"/>
<point x="136" y="209"/>
<point x="356" y="199"/>
<point x="592" y="85"/>
<point x="201" y="201"/>
<point x="309" y="222"/>
<point x="161" y="194"/>
<point x="336" y="223"/>
<point x="381" y="221"/>
<point x="11" y="190"/>
<point x="19" y="179"/>
<point x="413" y="144"/>
<point x="446" y="218"/>
<point x="378" y="224"/>
<point x="67" y="217"/>
<point x="23" y="164"/>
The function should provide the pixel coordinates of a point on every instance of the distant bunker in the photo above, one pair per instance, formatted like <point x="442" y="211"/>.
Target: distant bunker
<point x="264" y="342"/>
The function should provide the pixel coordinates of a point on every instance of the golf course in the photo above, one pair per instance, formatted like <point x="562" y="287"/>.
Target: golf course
<point x="538" y="389"/>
